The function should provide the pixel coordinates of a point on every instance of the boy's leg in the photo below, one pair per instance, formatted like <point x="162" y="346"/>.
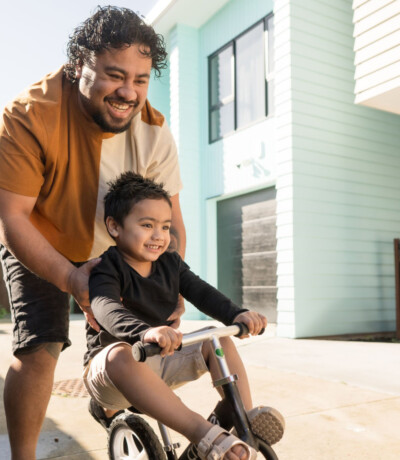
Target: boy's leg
<point x="148" y="393"/>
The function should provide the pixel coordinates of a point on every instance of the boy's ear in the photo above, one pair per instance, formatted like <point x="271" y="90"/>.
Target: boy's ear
<point x="112" y="227"/>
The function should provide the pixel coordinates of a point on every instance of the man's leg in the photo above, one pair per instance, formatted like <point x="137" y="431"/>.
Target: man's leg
<point x="27" y="393"/>
<point x="40" y="314"/>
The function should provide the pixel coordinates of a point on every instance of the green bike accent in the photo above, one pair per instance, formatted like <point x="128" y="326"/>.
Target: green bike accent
<point x="219" y="352"/>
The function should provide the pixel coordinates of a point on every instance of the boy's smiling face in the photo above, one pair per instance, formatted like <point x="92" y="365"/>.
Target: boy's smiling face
<point x="144" y="235"/>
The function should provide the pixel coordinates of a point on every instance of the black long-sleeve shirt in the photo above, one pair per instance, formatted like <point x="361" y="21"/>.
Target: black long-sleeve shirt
<point x="126" y="304"/>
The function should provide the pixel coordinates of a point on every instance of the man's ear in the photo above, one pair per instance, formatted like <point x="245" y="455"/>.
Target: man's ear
<point x="78" y="70"/>
<point x="112" y="227"/>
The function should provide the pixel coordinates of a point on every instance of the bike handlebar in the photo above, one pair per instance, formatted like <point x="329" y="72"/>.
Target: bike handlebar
<point x="141" y="351"/>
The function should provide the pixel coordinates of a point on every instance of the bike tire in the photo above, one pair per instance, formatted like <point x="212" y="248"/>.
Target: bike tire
<point x="131" y="437"/>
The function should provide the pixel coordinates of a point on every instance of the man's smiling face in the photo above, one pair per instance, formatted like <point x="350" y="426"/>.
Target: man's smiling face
<point x="113" y="86"/>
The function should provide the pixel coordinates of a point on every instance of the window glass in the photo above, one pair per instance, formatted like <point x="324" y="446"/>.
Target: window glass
<point x="241" y="81"/>
<point x="222" y="77"/>
<point x="269" y="63"/>
<point x="222" y="121"/>
<point x="250" y="76"/>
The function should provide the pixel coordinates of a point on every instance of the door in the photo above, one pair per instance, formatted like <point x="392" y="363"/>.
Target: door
<point x="246" y="238"/>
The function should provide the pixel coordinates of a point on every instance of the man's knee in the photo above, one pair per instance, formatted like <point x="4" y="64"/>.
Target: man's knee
<point x="41" y="350"/>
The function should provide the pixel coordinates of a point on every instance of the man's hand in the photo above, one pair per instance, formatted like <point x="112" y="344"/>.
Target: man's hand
<point x="166" y="337"/>
<point x="78" y="286"/>
<point x="175" y="316"/>
<point x="253" y="320"/>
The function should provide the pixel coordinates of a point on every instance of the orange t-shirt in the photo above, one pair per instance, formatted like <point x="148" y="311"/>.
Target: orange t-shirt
<point x="50" y="150"/>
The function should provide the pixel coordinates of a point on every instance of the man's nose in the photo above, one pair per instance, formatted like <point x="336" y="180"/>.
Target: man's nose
<point x="127" y="91"/>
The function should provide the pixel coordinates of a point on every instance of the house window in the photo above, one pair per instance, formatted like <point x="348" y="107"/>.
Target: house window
<point x="240" y="79"/>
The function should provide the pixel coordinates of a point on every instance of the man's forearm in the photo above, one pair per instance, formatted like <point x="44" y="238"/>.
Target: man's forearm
<point x="33" y="250"/>
<point x="178" y="241"/>
<point x="177" y="231"/>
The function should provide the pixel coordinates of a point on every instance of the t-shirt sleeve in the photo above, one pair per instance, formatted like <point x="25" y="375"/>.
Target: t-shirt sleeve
<point x="22" y="146"/>
<point x="165" y="165"/>
<point x="108" y="310"/>
<point x="205" y="297"/>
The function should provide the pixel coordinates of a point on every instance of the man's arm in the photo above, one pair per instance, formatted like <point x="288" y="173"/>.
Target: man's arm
<point x="178" y="244"/>
<point x="33" y="250"/>
<point x="178" y="231"/>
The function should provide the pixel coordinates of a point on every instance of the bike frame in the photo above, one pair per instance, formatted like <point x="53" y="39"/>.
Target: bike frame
<point x="227" y="383"/>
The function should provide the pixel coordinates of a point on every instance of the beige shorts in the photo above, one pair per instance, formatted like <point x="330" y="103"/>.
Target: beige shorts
<point x="183" y="366"/>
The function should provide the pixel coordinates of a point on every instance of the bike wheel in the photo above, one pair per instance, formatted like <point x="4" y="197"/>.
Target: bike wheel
<point x="132" y="438"/>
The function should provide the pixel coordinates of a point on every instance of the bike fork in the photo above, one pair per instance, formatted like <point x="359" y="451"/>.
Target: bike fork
<point x="231" y="394"/>
<point x="169" y="446"/>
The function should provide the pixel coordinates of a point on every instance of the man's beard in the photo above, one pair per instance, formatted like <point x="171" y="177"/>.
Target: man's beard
<point x="100" y="120"/>
<point x="106" y="127"/>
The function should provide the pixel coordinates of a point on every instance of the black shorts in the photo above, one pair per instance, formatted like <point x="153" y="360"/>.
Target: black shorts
<point x="39" y="310"/>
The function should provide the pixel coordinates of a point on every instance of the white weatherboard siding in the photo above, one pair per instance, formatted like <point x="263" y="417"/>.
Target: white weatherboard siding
<point x="377" y="53"/>
<point x="345" y="186"/>
<point x="284" y="180"/>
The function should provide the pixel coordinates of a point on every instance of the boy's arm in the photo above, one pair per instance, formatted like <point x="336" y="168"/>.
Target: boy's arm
<point x="215" y="304"/>
<point x="108" y="309"/>
<point x="117" y="320"/>
<point x="206" y="298"/>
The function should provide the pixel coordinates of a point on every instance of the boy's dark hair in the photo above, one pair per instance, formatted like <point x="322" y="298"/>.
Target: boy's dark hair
<point x="126" y="191"/>
<point x="113" y="27"/>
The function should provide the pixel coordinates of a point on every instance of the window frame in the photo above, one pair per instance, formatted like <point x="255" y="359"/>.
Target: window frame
<point x="268" y="75"/>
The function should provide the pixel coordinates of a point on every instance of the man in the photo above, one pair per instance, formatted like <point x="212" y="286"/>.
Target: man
<point x="61" y="141"/>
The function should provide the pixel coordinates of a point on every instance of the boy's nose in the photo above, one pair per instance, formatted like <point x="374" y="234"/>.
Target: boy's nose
<point x="157" y="235"/>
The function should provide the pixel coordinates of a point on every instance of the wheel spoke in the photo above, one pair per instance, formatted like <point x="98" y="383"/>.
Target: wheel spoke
<point x="133" y="439"/>
<point x="132" y="447"/>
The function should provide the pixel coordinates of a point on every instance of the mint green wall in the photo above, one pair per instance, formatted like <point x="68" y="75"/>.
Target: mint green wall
<point x="344" y="189"/>
<point x="184" y="123"/>
<point x="228" y="165"/>
<point x="336" y="166"/>
<point x="244" y="160"/>
<point x="158" y="93"/>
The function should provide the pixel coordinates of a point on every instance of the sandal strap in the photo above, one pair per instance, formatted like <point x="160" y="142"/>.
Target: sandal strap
<point x="208" y="450"/>
<point x="207" y="442"/>
<point x="227" y="443"/>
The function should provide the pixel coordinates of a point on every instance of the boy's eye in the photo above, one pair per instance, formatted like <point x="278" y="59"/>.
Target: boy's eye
<point x="166" y="227"/>
<point x="147" y="225"/>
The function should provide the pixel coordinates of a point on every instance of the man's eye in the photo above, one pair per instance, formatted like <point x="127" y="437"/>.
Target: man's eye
<point x="115" y="76"/>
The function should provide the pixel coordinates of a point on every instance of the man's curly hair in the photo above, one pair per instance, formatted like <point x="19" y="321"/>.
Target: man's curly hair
<point x="113" y="27"/>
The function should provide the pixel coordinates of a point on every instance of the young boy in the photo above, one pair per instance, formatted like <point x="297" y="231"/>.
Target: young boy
<point x="133" y="290"/>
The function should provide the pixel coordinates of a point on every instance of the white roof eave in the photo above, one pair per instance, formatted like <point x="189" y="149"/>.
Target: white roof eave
<point x="194" y="13"/>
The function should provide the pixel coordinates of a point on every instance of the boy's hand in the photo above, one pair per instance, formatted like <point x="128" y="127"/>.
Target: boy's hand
<point x="253" y="320"/>
<point x="166" y="337"/>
